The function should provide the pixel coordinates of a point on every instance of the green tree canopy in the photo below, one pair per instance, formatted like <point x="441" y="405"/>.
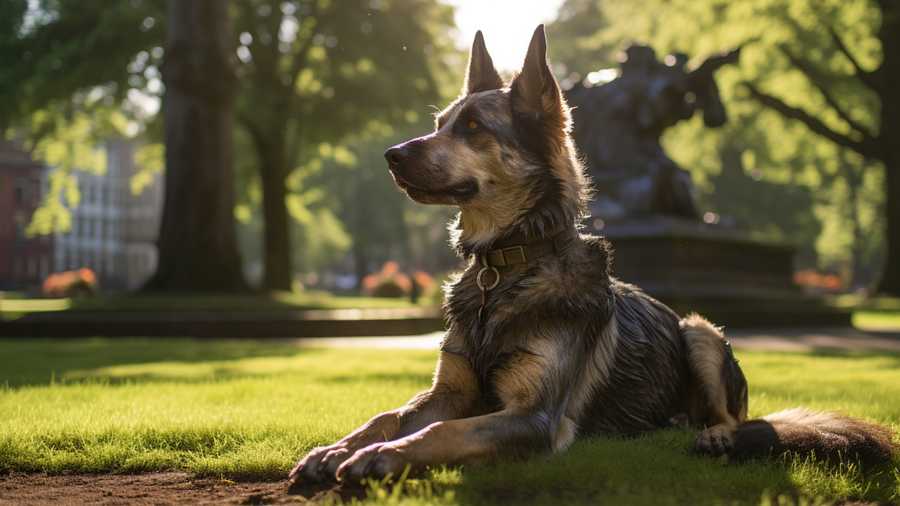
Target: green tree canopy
<point x="319" y="71"/>
<point x="312" y="75"/>
<point x="769" y="151"/>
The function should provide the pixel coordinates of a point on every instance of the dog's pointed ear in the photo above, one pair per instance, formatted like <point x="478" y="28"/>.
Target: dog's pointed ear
<point x="535" y="90"/>
<point x="482" y="75"/>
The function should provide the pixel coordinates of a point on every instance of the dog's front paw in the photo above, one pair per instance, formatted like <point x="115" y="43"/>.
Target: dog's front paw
<point x="716" y="440"/>
<point x="320" y="464"/>
<point x="380" y="460"/>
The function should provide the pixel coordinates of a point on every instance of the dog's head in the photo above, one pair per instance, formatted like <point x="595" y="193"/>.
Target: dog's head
<point x="498" y="149"/>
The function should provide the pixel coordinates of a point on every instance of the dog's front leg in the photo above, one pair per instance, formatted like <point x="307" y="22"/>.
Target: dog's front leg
<point x="533" y="386"/>
<point x="454" y="394"/>
<point x="453" y="442"/>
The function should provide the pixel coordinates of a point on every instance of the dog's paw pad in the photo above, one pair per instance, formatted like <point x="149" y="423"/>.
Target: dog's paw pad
<point x="715" y="441"/>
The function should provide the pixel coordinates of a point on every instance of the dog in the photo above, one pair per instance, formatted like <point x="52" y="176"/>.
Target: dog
<point x="543" y="344"/>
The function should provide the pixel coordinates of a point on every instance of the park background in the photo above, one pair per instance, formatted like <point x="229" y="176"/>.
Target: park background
<point x="279" y="218"/>
<point x="314" y="108"/>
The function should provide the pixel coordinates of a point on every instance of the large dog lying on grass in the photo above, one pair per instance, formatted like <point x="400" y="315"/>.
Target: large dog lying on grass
<point x="543" y="345"/>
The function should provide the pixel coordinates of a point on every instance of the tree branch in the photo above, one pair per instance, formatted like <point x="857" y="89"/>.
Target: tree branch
<point x="870" y="79"/>
<point x="300" y="56"/>
<point x="866" y="148"/>
<point x="256" y="133"/>
<point x="819" y="81"/>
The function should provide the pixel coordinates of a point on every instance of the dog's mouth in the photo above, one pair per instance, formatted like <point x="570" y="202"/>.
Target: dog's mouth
<point x="459" y="192"/>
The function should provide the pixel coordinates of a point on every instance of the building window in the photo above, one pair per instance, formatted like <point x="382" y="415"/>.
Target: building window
<point x="21" y="191"/>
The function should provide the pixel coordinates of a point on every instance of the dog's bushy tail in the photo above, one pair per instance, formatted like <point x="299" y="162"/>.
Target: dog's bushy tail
<point x="828" y="436"/>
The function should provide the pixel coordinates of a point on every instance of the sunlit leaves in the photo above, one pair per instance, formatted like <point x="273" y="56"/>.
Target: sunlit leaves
<point x="70" y="144"/>
<point x="54" y="215"/>
<point x="307" y="84"/>
<point x="773" y="150"/>
<point x="149" y="160"/>
<point x="63" y="94"/>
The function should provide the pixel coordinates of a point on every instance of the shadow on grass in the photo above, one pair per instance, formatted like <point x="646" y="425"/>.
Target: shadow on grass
<point x="25" y="362"/>
<point x="187" y="376"/>
<point x="380" y="377"/>
<point x="657" y="469"/>
<point x="114" y="361"/>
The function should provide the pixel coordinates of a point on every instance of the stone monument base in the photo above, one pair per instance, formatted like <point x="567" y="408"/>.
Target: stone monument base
<point x="725" y="275"/>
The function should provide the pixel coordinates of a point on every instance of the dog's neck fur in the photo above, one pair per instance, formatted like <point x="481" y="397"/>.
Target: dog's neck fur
<point x="553" y="210"/>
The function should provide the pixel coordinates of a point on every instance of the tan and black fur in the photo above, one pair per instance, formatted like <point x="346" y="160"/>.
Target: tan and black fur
<point x="560" y="349"/>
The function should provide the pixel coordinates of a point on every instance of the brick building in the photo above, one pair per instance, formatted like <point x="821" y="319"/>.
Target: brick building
<point x="113" y="230"/>
<point x="24" y="261"/>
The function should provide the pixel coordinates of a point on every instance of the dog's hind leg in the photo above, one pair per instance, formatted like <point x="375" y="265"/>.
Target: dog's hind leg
<point x="718" y="380"/>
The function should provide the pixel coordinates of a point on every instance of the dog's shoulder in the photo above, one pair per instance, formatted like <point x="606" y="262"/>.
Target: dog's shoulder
<point x="599" y="251"/>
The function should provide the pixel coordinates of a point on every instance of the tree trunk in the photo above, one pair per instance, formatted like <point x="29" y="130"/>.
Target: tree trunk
<point x="890" y="278"/>
<point x="278" y="273"/>
<point x="197" y="241"/>
<point x="889" y="74"/>
<point x="360" y="242"/>
<point x="854" y="181"/>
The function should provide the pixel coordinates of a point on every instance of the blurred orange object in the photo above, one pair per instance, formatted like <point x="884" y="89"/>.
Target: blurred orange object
<point x="78" y="283"/>
<point x="389" y="282"/>
<point x="817" y="281"/>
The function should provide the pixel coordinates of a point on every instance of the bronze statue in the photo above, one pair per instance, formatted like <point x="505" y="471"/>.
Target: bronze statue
<point x="618" y="126"/>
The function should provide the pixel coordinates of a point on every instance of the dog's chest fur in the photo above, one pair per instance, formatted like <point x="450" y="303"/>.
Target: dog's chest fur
<point x="573" y="288"/>
<point x="617" y="354"/>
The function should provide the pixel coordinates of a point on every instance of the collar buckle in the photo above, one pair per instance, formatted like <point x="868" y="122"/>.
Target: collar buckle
<point x="504" y="257"/>
<point x="514" y="255"/>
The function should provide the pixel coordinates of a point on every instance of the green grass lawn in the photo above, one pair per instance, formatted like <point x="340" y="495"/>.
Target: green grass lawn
<point x="249" y="409"/>
<point x="876" y="314"/>
<point x="884" y="321"/>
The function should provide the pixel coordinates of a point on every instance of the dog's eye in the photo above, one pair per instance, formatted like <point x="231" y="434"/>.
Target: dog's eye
<point x="473" y="125"/>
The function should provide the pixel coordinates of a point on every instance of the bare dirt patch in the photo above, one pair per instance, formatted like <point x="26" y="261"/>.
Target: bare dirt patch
<point x="152" y="488"/>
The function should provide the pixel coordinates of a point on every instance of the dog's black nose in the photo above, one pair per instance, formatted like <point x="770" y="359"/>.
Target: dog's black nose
<point x="395" y="155"/>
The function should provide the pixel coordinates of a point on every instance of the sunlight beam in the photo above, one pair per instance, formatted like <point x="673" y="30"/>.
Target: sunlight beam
<point x="507" y="26"/>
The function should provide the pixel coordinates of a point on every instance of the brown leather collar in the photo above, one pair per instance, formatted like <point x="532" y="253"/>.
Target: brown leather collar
<point x="517" y="254"/>
<point x="508" y="254"/>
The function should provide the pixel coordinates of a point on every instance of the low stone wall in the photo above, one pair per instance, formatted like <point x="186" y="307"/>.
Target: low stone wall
<point x="312" y="323"/>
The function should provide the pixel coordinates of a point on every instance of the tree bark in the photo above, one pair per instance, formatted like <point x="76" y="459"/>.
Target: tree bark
<point x="854" y="180"/>
<point x="889" y="80"/>
<point x="278" y="272"/>
<point x="357" y="222"/>
<point x="890" y="278"/>
<point x="197" y="240"/>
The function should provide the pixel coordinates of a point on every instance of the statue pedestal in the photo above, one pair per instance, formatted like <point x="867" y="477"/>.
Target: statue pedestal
<point x="722" y="274"/>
